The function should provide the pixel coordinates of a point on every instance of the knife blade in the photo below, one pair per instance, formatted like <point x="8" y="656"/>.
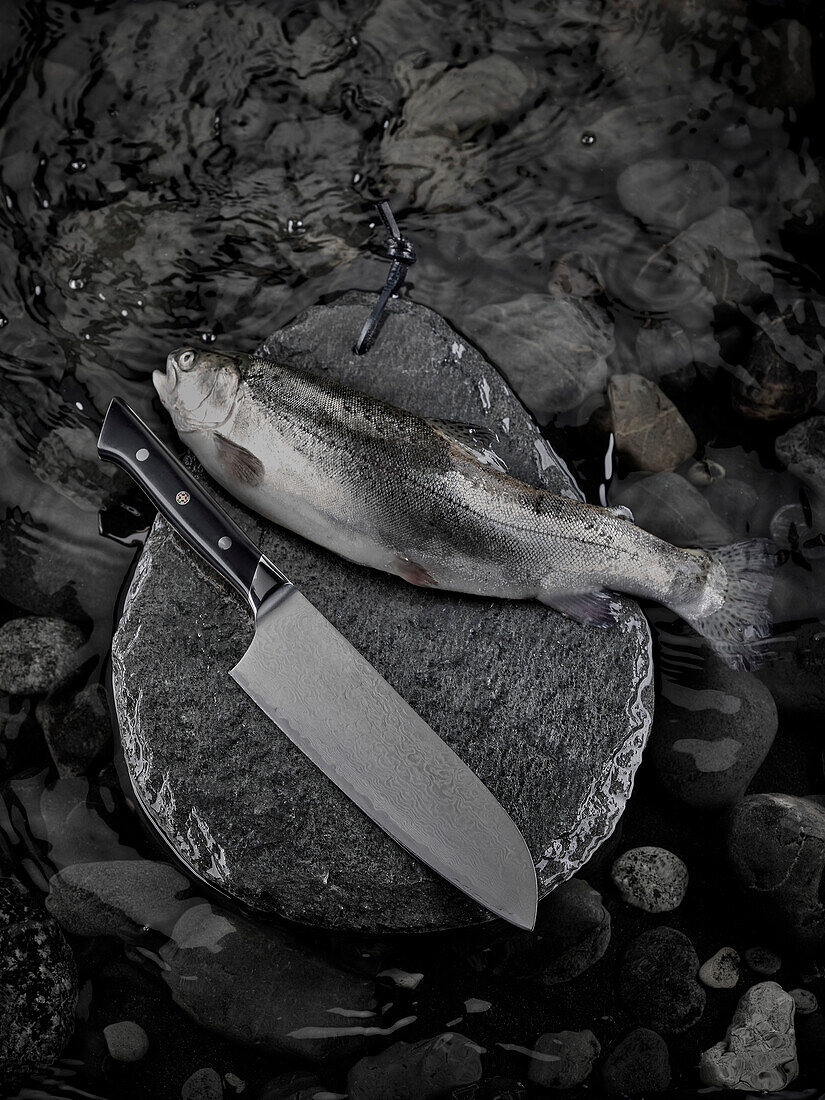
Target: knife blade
<point x="333" y="705"/>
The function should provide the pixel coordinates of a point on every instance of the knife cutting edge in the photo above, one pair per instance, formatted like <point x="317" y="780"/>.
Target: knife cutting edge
<point x="331" y="703"/>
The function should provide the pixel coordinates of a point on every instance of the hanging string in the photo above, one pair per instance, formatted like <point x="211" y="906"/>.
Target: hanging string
<point x="401" y="254"/>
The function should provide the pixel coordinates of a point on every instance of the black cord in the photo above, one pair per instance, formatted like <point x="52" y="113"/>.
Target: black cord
<point x="401" y="254"/>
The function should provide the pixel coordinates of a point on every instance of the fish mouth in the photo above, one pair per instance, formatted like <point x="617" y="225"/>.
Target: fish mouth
<point x="166" y="380"/>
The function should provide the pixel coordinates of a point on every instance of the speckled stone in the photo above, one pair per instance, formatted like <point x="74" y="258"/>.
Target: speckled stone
<point x="563" y="1059"/>
<point x="126" y="1041"/>
<point x="203" y="1084"/>
<point x="38" y="984"/>
<point x="805" y="1000"/>
<point x="721" y="971"/>
<point x="657" y="981"/>
<point x="762" y="960"/>
<point x="759" y="1050"/>
<point x="638" y="1066"/>
<point x="650" y="878"/>
<point x="37" y="654"/>
<point x="551" y="715"/>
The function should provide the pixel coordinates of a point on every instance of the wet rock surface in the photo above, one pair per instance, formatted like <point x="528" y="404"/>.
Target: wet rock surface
<point x="759" y="1050"/>
<point x="276" y="833"/>
<point x="650" y="431"/>
<point x="38" y="985"/>
<point x="563" y="1059"/>
<point x="658" y="980"/>
<point x="713" y="729"/>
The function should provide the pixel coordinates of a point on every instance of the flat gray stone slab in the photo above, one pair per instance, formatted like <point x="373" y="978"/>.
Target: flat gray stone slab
<point x="551" y="715"/>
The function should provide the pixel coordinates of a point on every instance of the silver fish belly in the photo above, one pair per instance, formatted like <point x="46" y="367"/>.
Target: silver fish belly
<point x="395" y="491"/>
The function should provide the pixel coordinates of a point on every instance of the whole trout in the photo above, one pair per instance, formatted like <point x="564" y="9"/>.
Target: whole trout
<point x="431" y="503"/>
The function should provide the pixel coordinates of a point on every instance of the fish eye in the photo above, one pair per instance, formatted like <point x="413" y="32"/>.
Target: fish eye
<point x="186" y="359"/>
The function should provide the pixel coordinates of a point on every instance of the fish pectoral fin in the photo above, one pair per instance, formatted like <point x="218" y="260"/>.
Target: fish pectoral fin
<point x="474" y="438"/>
<point x="414" y="573"/>
<point x="599" y="608"/>
<point x="238" y="462"/>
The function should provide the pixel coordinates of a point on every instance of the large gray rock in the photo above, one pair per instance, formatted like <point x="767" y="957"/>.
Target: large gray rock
<point x="551" y="715"/>
<point x="759" y="1050"/>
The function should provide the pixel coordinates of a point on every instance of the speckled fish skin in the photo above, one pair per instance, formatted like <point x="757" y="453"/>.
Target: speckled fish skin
<point x="392" y="490"/>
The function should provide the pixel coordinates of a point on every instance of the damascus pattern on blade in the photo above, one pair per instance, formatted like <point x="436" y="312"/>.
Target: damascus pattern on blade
<point x="331" y="702"/>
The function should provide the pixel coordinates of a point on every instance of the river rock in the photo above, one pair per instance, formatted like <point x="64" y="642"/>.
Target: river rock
<point x="204" y="1084"/>
<point x="119" y="897"/>
<point x="251" y="813"/>
<point x="416" y="1071"/>
<point x="37" y="654"/>
<point x="670" y="194"/>
<point x="781" y="74"/>
<point x="257" y="985"/>
<point x="762" y="960"/>
<point x="713" y="729"/>
<point x="553" y="349"/>
<point x="638" y="1066"/>
<point x="805" y="1001"/>
<point x="667" y="505"/>
<point x="76" y="728"/>
<point x="563" y="1059"/>
<point x="721" y="971"/>
<point x="650" y="878"/>
<point x="759" y="1050"/>
<point x="657" y="981"/>
<point x="650" y="431"/>
<point x="802" y="450"/>
<point x="126" y="1041"/>
<point x="772" y="388"/>
<point x="776" y="846"/>
<point x="38" y="985"/>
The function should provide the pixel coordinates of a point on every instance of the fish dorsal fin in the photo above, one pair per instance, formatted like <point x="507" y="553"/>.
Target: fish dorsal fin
<point x="238" y="462"/>
<point x="473" y="438"/>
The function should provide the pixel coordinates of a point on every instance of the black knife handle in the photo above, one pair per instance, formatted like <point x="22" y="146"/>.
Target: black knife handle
<point x="126" y="440"/>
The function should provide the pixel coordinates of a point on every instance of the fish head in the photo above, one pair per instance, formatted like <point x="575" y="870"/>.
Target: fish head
<point x="199" y="388"/>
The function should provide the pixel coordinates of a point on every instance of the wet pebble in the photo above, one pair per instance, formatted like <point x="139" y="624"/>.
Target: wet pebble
<point x="563" y="1059"/>
<point x="650" y="431"/>
<point x="650" y="878"/>
<point x="553" y="348"/>
<point x="776" y="848"/>
<point x="203" y="1084"/>
<point x="772" y="388"/>
<point x="416" y="1071"/>
<point x="802" y="450"/>
<point x="667" y="505"/>
<point x="762" y="960"/>
<point x="759" y="1050"/>
<point x="77" y="728"/>
<point x="38" y="979"/>
<point x="805" y="1000"/>
<point x="712" y="730"/>
<point x="126" y="1041"/>
<point x="37" y="654"/>
<point x="638" y="1066"/>
<point x="721" y="971"/>
<point x="657" y="981"/>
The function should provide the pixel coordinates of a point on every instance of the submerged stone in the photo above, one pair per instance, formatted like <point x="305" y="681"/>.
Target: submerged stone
<point x="510" y="685"/>
<point x="657" y="981"/>
<point x="563" y="1059"/>
<point x="638" y="1066"/>
<point x="37" y="654"/>
<point x="650" y="431"/>
<point x="416" y="1071"/>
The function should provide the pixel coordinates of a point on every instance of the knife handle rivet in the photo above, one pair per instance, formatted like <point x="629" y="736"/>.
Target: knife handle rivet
<point x="182" y="497"/>
<point x="142" y="454"/>
<point x="224" y="542"/>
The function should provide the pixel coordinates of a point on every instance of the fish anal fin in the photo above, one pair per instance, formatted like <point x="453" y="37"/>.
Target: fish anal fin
<point x="589" y="608"/>
<point x="414" y="573"/>
<point x="474" y="438"/>
<point x="241" y="464"/>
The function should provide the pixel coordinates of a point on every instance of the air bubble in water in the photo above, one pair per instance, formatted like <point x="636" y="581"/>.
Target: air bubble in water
<point x="587" y="138"/>
<point x="76" y="284"/>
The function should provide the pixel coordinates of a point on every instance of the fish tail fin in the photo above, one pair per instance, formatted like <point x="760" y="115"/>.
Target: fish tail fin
<point x="743" y="621"/>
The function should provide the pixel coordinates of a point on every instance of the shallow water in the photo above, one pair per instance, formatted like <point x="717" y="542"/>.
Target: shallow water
<point x="203" y="172"/>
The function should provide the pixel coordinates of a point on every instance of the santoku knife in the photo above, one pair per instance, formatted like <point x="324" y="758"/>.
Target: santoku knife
<point x="321" y="693"/>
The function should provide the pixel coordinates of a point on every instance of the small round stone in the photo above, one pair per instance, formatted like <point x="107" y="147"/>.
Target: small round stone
<point x="721" y="971"/>
<point x="126" y="1040"/>
<point x="805" y="1001"/>
<point x="652" y="879"/>
<point x="204" y="1084"/>
<point x="762" y="960"/>
<point x="142" y="454"/>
